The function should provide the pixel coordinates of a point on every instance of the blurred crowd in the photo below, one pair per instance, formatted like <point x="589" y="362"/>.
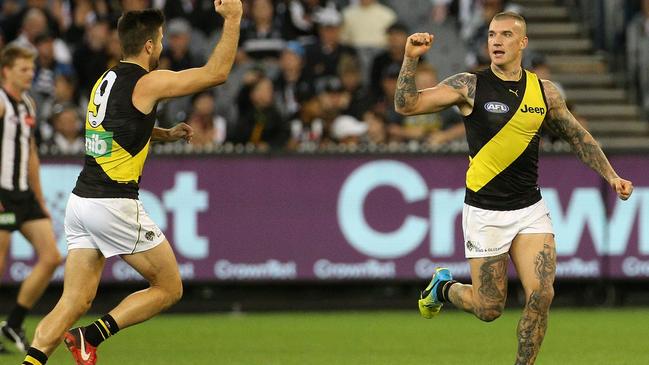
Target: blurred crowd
<point x="308" y="73"/>
<point x="637" y="53"/>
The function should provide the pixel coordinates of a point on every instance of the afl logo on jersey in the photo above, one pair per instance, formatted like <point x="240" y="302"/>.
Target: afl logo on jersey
<point x="496" y="107"/>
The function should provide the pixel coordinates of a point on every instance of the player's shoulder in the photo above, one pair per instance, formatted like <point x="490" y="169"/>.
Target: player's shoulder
<point x="548" y="85"/>
<point x="552" y="92"/>
<point x="153" y="80"/>
<point x="29" y="99"/>
<point x="460" y="80"/>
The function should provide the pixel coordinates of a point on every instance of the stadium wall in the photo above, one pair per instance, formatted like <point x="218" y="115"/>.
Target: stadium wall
<point x="346" y="218"/>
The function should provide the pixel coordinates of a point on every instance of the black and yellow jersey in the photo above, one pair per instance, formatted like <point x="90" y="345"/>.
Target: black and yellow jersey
<point x="503" y="136"/>
<point x="117" y="136"/>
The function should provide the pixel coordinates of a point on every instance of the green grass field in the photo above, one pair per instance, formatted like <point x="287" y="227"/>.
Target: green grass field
<point x="610" y="337"/>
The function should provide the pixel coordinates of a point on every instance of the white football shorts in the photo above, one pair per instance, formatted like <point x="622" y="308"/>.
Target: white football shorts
<point x="491" y="232"/>
<point x="112" y="226"/>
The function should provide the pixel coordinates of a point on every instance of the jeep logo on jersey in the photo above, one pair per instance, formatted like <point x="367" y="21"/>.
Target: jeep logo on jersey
<point x="99" y="144"/>
<point x="496" y="107"/>
<point x="533" y="109"/>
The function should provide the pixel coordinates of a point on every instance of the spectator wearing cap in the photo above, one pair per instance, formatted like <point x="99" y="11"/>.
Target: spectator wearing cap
<point x="262" y="37"/>
<point x="335" y="101"/>
<point x="396" y="36"/>
<point x="67" y="137"/>
<point x="323" y="57"/>
<point x="47" y="69"/>
<point x="365" y="24"/>
<point x="348" y="130"/>
<point x="178" y="55"/>
<point x="307" y="128"/>
<point x="291" y="79"/>
<point x="260" y="122"/>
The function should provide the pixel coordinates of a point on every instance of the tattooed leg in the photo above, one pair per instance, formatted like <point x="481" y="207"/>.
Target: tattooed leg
<point x="486" y="296"/>
<point x="535" y="259"/>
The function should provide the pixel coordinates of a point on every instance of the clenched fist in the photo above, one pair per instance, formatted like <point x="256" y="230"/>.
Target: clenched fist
<point x="229" y="9"/>
<point x="418" y="44"/>
<point x="622" y="187"/>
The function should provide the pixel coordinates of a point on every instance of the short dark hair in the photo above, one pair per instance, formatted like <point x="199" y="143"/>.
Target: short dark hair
<point x="512" y="15"/>
<point x="136" y="27"/>
<point x="12" y="52"/>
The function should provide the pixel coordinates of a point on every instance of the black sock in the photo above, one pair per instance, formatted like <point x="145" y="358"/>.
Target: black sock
<point x="100" y="330"/>
<point x="34" y="357"/>
<point x="442" y="290"/>
<point x="17" y="316"/>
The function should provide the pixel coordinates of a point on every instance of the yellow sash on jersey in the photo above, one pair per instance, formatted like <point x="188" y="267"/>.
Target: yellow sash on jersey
<point x="512" y="140"/>
<point x="113" y="159"/>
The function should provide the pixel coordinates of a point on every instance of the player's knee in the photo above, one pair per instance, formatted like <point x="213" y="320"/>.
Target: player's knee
<point x="177" y="293"/>
<point x="76" y="305"/>
<point x="174" y="293"/>
<point x="51" y="259"/>
<point x="542" y="298"/>
<point x="489" y="314"/>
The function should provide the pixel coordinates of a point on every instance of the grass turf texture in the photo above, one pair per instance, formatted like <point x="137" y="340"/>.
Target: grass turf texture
<point x="396" y="337"/>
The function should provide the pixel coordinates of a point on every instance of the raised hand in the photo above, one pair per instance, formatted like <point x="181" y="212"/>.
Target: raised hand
<point x="229" y="9"/>
<point x="418" y="44"/>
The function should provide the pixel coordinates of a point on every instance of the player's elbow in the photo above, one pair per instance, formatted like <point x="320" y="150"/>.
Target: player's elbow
<point x="219" y="78"/>
<point x="216" y="74"/>
<point x="403" y="109"/>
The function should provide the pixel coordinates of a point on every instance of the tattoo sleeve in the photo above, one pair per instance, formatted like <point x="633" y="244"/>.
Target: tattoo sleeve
<point x="406" y="95"/>
<point x="564" y="125"/>
<point x="462" y="80"/>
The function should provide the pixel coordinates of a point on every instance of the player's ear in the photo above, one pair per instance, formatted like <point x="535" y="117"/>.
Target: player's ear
<point x="524" y="42"/>
<point x="148" y="46"/>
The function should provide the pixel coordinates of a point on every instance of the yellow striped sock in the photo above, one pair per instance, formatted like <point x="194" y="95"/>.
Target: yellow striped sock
<point x="29" y="360"/>
<point x="101" y="321"/>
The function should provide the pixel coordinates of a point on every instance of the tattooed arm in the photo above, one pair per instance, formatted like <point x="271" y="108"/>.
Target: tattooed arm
<point x="564" y="125"/>
<point x="456" y="90"/>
